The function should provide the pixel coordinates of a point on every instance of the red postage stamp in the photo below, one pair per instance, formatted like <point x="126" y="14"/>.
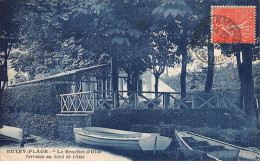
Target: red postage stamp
<point x="233" y="24"/>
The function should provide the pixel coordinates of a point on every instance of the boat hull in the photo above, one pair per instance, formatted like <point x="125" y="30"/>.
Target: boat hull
<point x="122" y="140"/>
<point x="8" y="133"/>
<point x="228" y="151"/>
<point x="123" y="145"/>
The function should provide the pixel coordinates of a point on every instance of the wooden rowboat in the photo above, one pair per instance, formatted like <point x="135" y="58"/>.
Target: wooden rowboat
<point x="9" y="133"/>
<point x="119" y="139"/>
<point x="213" y="149"/>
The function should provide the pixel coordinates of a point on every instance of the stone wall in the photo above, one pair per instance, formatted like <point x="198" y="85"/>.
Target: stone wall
<point x="66" y="123"/>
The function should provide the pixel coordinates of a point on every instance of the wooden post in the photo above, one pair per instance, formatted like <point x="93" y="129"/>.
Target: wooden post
<point x="84" y="103"/>
<point x="61" y="104"/>
<point x="192" y="102"/>
<point x="257" y="102"/>
<point x="218" y="101"/>
<point x="22" y="143"/>
<point x="94" y="101"/>
<point x="135" y="102"/>
<point x="166" y="100"/>
<point x="116" y="101"/>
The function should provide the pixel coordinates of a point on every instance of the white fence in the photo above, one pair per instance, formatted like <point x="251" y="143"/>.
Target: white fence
<point x="85" y="102"/>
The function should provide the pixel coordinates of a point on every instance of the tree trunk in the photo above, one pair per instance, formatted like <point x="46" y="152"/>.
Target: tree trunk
<point x="135" y="80"/>
<point x="115" y="81"/>
<point x="210" y="73"/>
<point x="183" y="74"/>
<point x="156" y="84"/>
<point x="247" y="98"/>
<point x="132" y="82"/>
<point x="242" y="82"/>
<point x="1" y="109"/>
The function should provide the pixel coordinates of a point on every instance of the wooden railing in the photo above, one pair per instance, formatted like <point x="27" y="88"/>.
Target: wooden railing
<point x="81" y="102"/>
<point x="85" y="102"/>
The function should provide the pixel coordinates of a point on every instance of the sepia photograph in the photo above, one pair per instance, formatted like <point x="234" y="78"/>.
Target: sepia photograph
<point x="129" y="80"/>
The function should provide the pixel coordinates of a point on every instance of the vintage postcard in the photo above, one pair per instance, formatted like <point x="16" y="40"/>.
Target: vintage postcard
<point x="129" y="80"/>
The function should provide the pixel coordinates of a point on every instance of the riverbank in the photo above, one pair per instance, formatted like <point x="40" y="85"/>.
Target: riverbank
<point x="39" y="148"/>
<point x="36" y="147"/>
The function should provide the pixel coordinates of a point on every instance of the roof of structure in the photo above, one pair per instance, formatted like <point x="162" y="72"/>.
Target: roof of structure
<point x="19" y="74"/>
<point x="61" y="75"/>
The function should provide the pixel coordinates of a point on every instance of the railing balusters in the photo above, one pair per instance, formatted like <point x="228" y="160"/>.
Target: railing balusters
<point x="85" y="102"/>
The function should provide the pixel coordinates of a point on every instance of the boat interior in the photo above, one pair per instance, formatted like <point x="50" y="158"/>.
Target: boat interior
<point x="202" y="145"/>
<point x="218" y="151"/>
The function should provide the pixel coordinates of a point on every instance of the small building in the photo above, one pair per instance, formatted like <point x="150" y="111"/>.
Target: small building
<point x="97" y="80"/>
<point x="18" y="78"/>
<point x="146" y="83"/>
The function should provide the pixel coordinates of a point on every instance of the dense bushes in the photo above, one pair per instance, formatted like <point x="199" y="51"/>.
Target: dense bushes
<point x="124" y="119"/>
<point x="221" y="117"/>
<point x="244" y="137"/>
<point x="35" y="98"/>
<point x="33" y="124"/>
<point x="33" y="108"/>
<point x="221" y="124"/>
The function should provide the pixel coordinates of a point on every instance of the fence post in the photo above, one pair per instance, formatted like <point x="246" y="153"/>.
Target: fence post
<point x="166" y="100"/>
<point x="257" y="97"/>
<point x="116" y="100"/>
<point x="84" y="102"/>
<point x="192" y="102"/>
<point x="94" y="101"/>
<point x="135" y="102"/>
<point x="61" y="104"/>
<point x="218" y="101"/>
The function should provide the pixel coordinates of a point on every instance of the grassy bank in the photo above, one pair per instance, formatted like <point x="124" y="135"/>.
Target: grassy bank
<point x="226" y="127"/>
